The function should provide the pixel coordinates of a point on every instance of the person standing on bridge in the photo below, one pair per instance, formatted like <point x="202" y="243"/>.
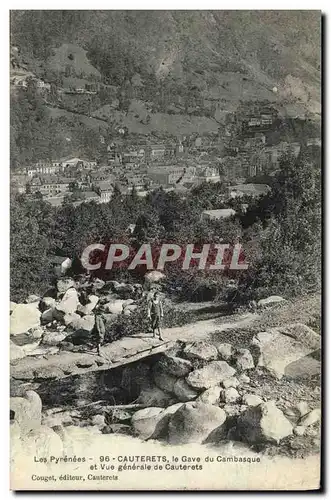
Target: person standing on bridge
<point x="99" y="329"/>
<point x="155" y="313"/>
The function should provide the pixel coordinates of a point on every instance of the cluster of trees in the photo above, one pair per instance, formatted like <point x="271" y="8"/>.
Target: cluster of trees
<point x="280" y="234"/>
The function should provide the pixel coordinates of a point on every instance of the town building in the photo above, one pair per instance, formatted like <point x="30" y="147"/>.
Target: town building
<point x="105" y="190"/>
<point x="221" y="213"/>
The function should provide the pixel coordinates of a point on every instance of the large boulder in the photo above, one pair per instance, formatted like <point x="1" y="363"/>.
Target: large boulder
<point x="225" y="351"/>
<point x="85" y="323"/>
<point x="163" y="380"/>
<point x="153" y="396"/>
<point x="88" y="308"/>
<point x="26" y="411"/>
<point x="278" y="348"/>
<point x="210" y="396"/>
<point x="244" y="360"/>
<point x="201" y="350"/>
<point x="24" y="317"/>
<point x="175" y="366"/>
<point x="69" y="302"/>
<point x="263" y="423"/>
<point x="47" y="303"/>
<point x="230" y="382"/>
<point x="161" y="428"/>
<point x="251" y="400"/>
<point x="64" y="284"/>
<point x="270" y="301"/>
<point x="69" y="318"/>
<point x="230" y="395"/>
<point x="53" y="338"/>
<point x="114" y="306"/>
<point x="47" y="316"/>
<point x="212" y="374"/>
<point x="144" y="421"/>
<point x="193" y="422"/>
<point x="183" y="391"/>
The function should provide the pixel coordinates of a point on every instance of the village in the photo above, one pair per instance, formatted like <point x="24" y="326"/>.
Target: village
<point x="132" y="162"/>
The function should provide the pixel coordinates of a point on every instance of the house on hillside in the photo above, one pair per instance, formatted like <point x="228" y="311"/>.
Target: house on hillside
<point x="208" y="174"/>
<point x="157" y="152"/>
<point x="220" y="213"/>
<point x="105" y="190"/>
<point x="252" y="190"/>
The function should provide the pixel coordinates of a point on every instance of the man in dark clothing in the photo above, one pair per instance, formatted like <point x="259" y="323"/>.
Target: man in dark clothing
<point x="155" y="313"/>
<point x="99" y="329"/>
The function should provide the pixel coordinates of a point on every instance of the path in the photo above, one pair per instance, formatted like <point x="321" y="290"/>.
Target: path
<point x="123" y="351"/>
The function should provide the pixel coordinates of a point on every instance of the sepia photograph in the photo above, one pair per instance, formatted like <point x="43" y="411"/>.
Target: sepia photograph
<point x="165" y="250"/>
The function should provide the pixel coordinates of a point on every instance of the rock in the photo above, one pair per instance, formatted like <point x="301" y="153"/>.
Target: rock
<point x="32" y="298"/>
<point x="208" y="376"/>
<point x="263" y="423"/>
<point x="36" y="332"/>
<point x="69" y="302"/>
<point x="311" y="418"/>
<point x="153" y="396"/>
<point x="233" y="410"/>
<point x="225" y="351"/>
<point x="244" y="379"/>
<point x="130" y="308"/>
<point x="270" y="301"/>
<point x="230" y="382"/>
<point x="183" y="391"/>
<point x="302" y="408"/>
<point x="163" y="380"/>
<point x="175" y="366"/>
<point x="26" y="411"/>
<point x="52" y="338"/>
<point x="211" y="396"/>
<point x="244" y="360"/>
<point x="98" y="284"/>
<point x="24" y="317"/>
<point x="88" y="308"/>
<point x="201" y="350"/>
<point x="193" y="422"/>
<point x="154" y="277"/>
<point x="118" y="429"/>
<point x="144" y="421"/>
<point x="278" y="348"/>
<point x="47" y="316"/>
<point x="85" y="363"/>
<point x="64" y="284"/>
<point x="47" y="373"/>
<point x="230" y="395"/>
<point x="47" y="303"/>
<point x="114" y="307"/>
<point x="124" y="290"/>
<point x="251" y="400"/>
<point x="299" y="430"/>
<point x="98" y="421"/>
<point x="16" y="352"/>
<point x="70" y="318"/>
<point x="86" y="323"/>
<point x="161" y="429"/>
